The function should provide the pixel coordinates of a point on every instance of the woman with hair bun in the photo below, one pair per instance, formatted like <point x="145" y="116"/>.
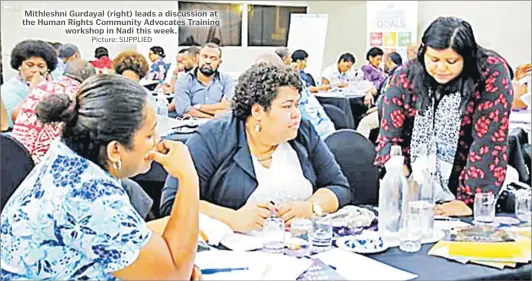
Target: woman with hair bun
<point x="453" y="100"/>
<point x="159" y="66"/>
<point x="71" y="219"/>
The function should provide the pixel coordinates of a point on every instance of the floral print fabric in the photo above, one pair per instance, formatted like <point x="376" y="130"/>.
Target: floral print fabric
<point x="28" y="130"/>
<point x="69" y="220"/>
<point x="481" y="155"/>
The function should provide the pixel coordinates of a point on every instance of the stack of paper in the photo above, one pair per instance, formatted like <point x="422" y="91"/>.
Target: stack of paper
<point x="260" y="265"/>
<point x="498" y="254"/>
<point x="367" y="269"/>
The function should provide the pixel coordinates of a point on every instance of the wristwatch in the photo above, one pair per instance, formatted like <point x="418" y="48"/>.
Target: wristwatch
<point x="316" y="209"/>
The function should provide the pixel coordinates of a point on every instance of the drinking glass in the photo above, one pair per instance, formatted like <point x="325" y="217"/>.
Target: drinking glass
<point x="484" y="209"/>
<point x="300" y="237"/>
<point x="273" y="235"/>
<point x="322" y="233"/>
<point x="523" y="206"/>
<point x="425" y="210"/>
<point x="410" y="233"/>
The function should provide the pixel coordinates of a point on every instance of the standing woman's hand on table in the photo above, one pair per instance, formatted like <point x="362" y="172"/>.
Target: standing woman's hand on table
<point x="455" y="208"/>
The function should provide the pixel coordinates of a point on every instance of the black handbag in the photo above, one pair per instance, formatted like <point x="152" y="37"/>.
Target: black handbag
<point x="519" y="153"/>
<point x="506" y="200"/>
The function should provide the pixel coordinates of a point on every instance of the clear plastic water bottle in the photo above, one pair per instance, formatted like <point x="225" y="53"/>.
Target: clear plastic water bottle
<point x="162" y="111"/>
<point x="391" y="196"/>
<point x="422" y="187"/>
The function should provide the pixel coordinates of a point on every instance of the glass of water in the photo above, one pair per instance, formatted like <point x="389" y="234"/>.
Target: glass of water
<point x="273" y="235"/>
<point x="523" y="206"/>
<point x="484" y="209"/>
<point x="410" y="233"/>
<point x="300" y="238"/>
<point x="322" y="233"/>
<point x="425" y="209"/>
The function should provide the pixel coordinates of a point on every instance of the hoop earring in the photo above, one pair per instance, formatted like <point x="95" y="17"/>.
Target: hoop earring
<point x="257" y="127"/>
<point x="117" y="165"/>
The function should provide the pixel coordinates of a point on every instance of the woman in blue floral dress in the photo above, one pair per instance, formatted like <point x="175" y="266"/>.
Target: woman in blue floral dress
<point x="71" y="219"/>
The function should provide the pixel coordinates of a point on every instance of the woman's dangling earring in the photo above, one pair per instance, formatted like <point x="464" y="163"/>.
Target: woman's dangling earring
<point x="117" y="165"/>
<point x="257" y="127"/>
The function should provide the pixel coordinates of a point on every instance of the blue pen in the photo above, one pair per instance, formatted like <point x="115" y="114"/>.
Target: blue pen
<point x="219" y="270"/>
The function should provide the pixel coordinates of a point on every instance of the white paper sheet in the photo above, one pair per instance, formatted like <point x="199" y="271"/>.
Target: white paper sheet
<point x="214" y="229"/>
<point x="261" y="266"/>
<point x="353" y="266"/>
<point x="447" y="225"/>
<point x="242" y="242"/>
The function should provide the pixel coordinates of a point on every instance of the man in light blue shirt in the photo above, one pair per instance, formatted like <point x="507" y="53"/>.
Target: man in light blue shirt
<point x="311" y="109"/>
<point x="204" y="91"/>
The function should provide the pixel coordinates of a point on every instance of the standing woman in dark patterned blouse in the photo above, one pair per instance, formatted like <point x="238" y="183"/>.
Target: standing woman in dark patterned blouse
<point x="453" y="101"/>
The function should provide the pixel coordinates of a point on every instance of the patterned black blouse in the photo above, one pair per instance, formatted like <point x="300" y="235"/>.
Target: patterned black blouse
<point x="481" y="155"/>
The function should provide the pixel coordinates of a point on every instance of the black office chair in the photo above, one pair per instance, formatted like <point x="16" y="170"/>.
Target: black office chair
<point x="311" y="79"/>
<point x="337" y="116"/>
<point x="16" y="165"/>
<point x="355" y="155"/>
<point x="519" y="153"/>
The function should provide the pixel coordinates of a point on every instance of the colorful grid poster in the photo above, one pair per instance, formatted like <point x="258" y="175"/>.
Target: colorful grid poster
<point x="390" y="39"/>
<point x="404" y="39"/>
<point x="375" y="39"/>
<point x="396" y="21"/>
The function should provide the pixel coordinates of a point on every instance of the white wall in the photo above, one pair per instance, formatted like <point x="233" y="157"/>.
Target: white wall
<point x="346" y="31"/>
<point x="503" y="26"/>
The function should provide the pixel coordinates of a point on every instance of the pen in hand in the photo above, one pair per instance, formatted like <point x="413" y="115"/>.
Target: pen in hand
<point x="273" y="213"/>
